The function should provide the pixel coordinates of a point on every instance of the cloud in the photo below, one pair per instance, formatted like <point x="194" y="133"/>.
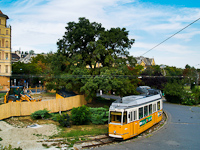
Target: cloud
<point x="39" y="24"/>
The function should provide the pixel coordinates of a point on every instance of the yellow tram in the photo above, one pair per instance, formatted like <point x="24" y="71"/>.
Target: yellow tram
<point x="132" y="115"/>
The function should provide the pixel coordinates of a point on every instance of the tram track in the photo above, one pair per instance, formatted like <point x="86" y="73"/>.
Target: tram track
<point x="105" y="140"/>
<point x="102" y="140"/>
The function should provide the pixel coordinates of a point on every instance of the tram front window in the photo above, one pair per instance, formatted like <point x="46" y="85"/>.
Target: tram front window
<point x="115" y="117"/>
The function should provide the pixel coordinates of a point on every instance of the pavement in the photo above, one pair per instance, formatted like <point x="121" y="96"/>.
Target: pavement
<point x="181" y="131"/>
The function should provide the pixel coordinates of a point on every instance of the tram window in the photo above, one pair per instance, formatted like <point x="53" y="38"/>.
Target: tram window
<point x="115" y="117"/>
<point x="154" y="107"/>
<point x="158" y="103"/>
<point x="145" y="111"/>
<point x="135" y="115"/>
<point x="150" y="109"/>
<point x="125" y="118"/>
<point x="131" y="116"/>
<point x="141" y="113"/>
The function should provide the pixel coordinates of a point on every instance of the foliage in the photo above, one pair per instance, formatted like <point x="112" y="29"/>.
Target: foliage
<point x="64" y="120"/>
<point x="82" y="132"/>
<point x="174" y="91"/>
<point x="196" y="94"/>
<point x="192" y="74"/>
<point x="80" y="115"/>
<point x="41" y="114"/>
<point x="1" y="139"/>
<point x="55" y="116"/>
<point x="9" y="148"/>
<point x="99" y="115"/>
<point x="87" y="55"/>
<point x="152" y="71"/>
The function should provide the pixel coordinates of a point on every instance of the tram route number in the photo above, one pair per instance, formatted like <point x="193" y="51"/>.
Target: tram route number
<point x="145" y="121"/>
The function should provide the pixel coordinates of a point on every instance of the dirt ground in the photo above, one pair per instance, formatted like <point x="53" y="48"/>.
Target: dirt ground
<point x="16" y="133"/>
<point x="25" y="138"/>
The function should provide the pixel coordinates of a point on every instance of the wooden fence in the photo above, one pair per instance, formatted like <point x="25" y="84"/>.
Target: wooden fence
<point x="26" y="108"/>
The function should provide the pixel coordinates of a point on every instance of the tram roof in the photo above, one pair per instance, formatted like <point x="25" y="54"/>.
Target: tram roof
<point x="134" y="100"/>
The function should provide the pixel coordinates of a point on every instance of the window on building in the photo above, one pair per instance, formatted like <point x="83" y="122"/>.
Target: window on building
<point x="0" y="21"/>
<point x="0" y="31"/>
<point x="0" y="54"/>
<point x="0" y="68"/>
<point x="6" y="69"/>
<point x="6" y="44"/>
<point x="6" y="32"/>
<point x="2" y="42"/>
<point x="6" y="56"/>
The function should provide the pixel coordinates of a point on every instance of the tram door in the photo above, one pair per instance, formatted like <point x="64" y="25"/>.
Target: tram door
<point x="134" y="125"/>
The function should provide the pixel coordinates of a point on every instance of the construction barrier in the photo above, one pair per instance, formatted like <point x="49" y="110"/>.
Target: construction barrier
<point x="26" y="108"/>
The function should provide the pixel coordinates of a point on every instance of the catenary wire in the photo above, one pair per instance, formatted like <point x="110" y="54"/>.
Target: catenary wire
<point x="170" y="36"/>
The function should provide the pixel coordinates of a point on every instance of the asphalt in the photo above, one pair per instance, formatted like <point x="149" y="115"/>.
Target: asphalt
<point x="181" y="131"/>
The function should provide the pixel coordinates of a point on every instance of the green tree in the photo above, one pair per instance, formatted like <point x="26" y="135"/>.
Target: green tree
<point x="90" y="58"/>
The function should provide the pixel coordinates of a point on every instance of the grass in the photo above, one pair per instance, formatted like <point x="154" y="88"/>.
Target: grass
<point x="84" y="130"/>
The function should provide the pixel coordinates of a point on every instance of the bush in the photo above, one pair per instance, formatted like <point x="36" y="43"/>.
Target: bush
<point x="188" y="99"/>
<point x="174" y="92"/>
<point x="99" y="115"/>
<point x="55" y="116"/>
<point x="64" y="120"/>
<point x="41" y="114"/>
<point x="80" y="115"/>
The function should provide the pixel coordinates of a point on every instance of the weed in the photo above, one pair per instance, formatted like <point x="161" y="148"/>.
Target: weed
<point x="148" y="135"/>
<point x="45" y="145"/>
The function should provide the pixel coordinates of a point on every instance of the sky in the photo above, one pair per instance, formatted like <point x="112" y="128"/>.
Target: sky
<point x="38" y="24"/>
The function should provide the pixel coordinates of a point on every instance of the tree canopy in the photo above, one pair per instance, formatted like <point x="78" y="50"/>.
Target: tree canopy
<point x="90" y="58"/>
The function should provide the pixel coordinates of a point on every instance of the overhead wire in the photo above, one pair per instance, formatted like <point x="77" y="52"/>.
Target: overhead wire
<point x="171" y="36"/>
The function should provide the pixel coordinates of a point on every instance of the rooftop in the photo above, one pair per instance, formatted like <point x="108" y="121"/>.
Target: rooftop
<point x="3" y="15"/>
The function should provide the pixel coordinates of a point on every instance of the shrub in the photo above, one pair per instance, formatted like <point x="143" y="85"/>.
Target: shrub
<point x="1" y="139"/>
<point x="174" y="92"/>
<point x="64" y="120"/>
<point x="54" y="117"/>
<point x="99" y="115"/>
<point x="41" y="114"/>
<point x="188" y="99"/>
<point x="80" y="115"/>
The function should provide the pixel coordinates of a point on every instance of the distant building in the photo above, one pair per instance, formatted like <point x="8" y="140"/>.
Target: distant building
<point x="5" y="53"/>
<point x="145" y="62"/>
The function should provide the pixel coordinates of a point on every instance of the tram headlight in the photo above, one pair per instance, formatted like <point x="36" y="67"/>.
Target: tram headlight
<point x="114" y="131"/>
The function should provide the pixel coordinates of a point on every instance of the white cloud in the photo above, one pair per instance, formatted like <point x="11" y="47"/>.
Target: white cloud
<point x="38" y="24"/>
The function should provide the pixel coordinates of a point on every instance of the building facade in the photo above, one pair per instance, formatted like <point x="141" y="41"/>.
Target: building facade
<point x="145" y="62"/>
<point x="5" y="53"/>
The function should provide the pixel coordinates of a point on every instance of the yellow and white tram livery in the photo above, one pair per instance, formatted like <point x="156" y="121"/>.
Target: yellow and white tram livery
<point x="132" y="115"/>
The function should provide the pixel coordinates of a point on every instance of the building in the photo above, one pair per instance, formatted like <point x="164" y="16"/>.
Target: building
<point x="145" y="62"/>
<point x="5" y="53"/>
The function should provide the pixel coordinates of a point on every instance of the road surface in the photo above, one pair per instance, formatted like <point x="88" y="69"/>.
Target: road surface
<point x="182" y="131"/>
